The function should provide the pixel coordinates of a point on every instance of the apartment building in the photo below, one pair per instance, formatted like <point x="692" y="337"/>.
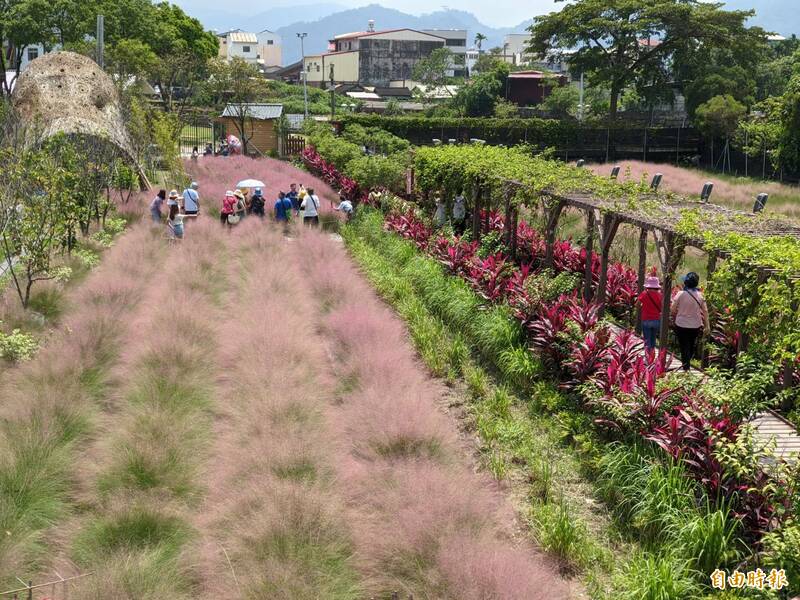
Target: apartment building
<point x="371" y="57"/>
<point x="455" y="40"/>
<point x="263" y="48"/>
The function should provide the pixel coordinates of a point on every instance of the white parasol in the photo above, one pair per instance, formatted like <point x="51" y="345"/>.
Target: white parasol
<point x="249" y="184"/>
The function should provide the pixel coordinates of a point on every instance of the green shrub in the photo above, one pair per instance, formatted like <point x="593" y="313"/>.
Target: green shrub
<point x="17" y="346"/>
<point x="653" y="577"/>
<point x="561" y="532"/>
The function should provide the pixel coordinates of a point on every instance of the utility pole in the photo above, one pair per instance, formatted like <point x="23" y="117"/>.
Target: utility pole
<point x="333" y="96"/>
<point x="101" y="32"/>
<point x="302" y="37"/>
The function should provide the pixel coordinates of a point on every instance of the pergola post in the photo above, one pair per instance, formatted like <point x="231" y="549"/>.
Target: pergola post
<point x="552" y="214"/>
<point x="591" y="225"/>
<point x="514" y="231"/>
<point x="637" y="315"/>
<point x="507" y="219"/>
<point x="476" y="212"/>
<point x="610" y="225"/>
<point x="669" y="255"/>
<point x="744" y="339"/>
<point x="713" y="258"/>
<point x="787" y="404"/>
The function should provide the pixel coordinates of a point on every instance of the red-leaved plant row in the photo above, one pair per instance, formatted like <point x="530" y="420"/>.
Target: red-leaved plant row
<point x="319" y="166"/>
<point x="623" y="386"/>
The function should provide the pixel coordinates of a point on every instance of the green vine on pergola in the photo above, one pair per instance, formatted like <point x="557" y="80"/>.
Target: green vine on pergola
<point x="756" y="280"/>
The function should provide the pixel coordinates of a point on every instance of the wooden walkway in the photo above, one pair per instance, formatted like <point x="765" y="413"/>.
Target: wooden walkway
<point x="769" y="426"/>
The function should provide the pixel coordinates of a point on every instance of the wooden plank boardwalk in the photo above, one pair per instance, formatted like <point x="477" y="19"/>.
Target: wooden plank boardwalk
<point x="769" y="426"/>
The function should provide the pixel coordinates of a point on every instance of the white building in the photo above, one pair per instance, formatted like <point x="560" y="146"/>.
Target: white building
<point x="515" y="48"/>
<point x="263" y="48"/>
<point x="269" y="48"/>
<point x="455" y="40"/>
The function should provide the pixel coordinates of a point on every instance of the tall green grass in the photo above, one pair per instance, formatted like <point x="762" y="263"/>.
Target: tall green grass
<point x="683" y="535"/>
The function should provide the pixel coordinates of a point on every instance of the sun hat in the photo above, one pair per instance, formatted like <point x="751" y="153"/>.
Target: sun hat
<point x="239" y="194"/>
<point x="652" y="283"/>
<point x="194" y="185"/>
<point x="173" y="194"/>
<point x="257" y="191"/>
<point x="691" y="279"/>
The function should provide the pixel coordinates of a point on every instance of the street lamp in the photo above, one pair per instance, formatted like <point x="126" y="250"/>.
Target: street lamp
<point x="302" y="37"/>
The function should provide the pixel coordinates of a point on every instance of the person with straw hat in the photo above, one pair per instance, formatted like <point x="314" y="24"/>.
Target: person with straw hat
<point x="650" y="301"/>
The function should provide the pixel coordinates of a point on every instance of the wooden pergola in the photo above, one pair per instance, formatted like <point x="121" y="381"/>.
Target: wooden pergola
<point x="659" y="215"/>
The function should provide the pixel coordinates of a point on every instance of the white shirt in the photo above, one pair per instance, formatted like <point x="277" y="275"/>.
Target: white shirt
<point x="190" y="199"/>
<point x="310" y="205"/>
<point x="345" y="206"/>
<point x="459" y="208"/>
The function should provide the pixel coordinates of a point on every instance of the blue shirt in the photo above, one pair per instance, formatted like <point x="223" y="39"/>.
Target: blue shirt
<point x="283" y="209"/>
<point x="292" y="196"/>
<point x="190" y="199"/>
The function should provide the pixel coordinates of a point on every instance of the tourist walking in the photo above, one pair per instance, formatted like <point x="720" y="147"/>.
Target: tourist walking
<point x="310" y="206"/>
<point x="440" y="216"/>
<point x="283" y="208"/>
<point x="690" y="317"/>
<point x="650" y="301"/>
<point x="459" y="214"/>
<point x="257" y="203"/>
<point x="156" y="204"/>
<point x="175" y="222"/>
<point x="241" y="204"/>
<point x="293" y="196"/>
<point x="345" y="206"/>
<point x="191" y="199"/>
<point x="227" y="214"/>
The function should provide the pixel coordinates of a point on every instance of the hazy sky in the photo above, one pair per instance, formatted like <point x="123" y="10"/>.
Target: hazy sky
<point x="496" y="13"/>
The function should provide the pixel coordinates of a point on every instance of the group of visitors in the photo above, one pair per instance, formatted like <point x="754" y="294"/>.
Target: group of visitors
<point x="688" y="315"/>
<point x="178" y="208"/>
<point x="238" y="204"/>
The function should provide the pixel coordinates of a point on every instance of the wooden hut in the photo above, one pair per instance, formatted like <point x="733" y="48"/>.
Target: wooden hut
<point x="254" y="124"/>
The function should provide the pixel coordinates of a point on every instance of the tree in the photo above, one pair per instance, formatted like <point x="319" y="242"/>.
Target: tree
<point x="562" y="101"/>
<point x="236" y="84"/>
<point x="719" y="117"/>
<point x="479" y="39"/>
<point x="479" y="96"/>
<point x="23" y="23"/>
<point x="432" y="71"/>
<point x="628" y="41"/>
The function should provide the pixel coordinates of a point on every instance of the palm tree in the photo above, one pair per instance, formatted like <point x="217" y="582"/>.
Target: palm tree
<point x="479" y="39"/>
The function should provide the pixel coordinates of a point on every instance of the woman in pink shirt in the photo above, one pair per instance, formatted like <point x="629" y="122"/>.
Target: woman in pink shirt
<point x="690" y="317"/>
<point x="228" y="207"/>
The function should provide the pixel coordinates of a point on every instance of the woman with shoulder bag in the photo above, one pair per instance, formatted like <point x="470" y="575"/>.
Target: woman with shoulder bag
<point x="227" y="214"/>
<point x="689" y="317"/>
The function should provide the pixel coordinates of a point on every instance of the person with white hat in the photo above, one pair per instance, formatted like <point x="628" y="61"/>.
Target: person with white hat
<point x="173" y="198"/>
<point x="650" y="301"/>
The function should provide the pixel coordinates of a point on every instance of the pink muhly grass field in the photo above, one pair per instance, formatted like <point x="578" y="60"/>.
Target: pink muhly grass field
<point x="734" y="193"/>
<point x="416" y="504"/>
<point x="218" y="174"/>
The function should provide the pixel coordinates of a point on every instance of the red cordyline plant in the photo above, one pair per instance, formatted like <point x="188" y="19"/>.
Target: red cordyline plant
<point x="588" y="357"/>
<point x="489" y="276"/>
<point x="567" y="257"/>
<point x="531" y="246"/>
<point x="725" y="336"/>
<point x="455" y="256"/>
<point x="496" y="221"/>
<point x="622" y="288"/>
<point x="545" y="333"/>
<point x="347" y="186"/>
<point x="410" y="227"/>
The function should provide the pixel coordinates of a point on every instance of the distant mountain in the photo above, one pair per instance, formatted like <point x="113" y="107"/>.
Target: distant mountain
<point x="272" y="19"/>
<point x="321" y="30"/>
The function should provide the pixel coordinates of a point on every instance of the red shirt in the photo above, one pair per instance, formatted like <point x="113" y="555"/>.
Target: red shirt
<point x="651" y="301"/>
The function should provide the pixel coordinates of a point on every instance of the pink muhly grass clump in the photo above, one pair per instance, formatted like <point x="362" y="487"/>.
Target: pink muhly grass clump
<point x="689" y="182"/>
<point x="488" y="569"/>
<point x="410" y="496"/>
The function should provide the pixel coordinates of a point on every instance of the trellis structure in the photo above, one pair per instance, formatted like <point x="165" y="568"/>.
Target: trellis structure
<point x="659" y="215"/>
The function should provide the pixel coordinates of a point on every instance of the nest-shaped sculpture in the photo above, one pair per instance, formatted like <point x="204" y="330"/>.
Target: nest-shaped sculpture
<point x="65" y="92"/>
